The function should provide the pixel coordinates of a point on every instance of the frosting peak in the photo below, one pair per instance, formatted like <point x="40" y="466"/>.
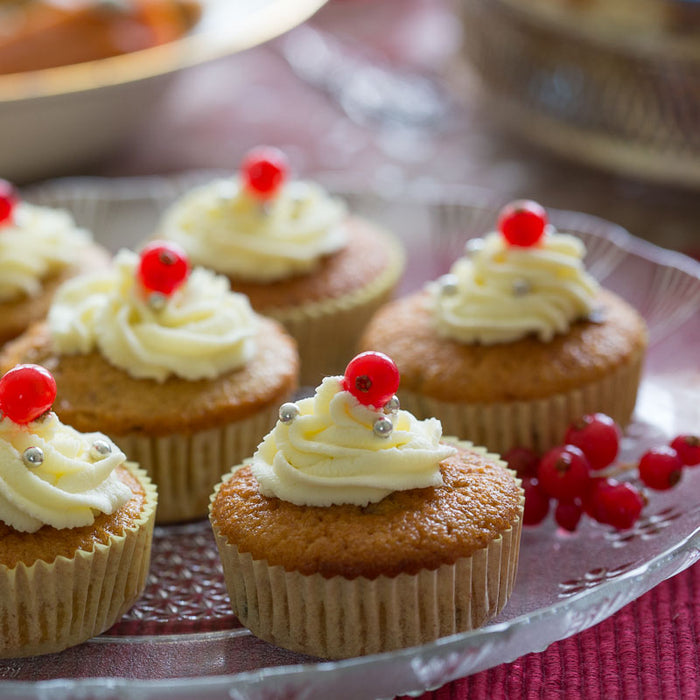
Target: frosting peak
<point x="200" y="331"/>
<point x="329" y="453"/>
<point x="223" y="226"/>
<point x="500" y="293"/>
<point x="68" y="486"/>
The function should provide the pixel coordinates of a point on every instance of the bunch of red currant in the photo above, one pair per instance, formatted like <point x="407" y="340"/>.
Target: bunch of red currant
<point x="566" y="474"/>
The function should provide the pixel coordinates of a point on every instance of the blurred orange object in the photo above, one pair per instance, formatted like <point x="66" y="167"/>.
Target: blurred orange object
<point x="37" y="34"/>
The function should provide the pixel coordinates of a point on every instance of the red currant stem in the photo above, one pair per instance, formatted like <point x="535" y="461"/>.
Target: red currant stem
<point x="618" y="469"/>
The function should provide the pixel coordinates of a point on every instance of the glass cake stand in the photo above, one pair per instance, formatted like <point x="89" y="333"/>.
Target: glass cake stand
<point x="181" y="639"/>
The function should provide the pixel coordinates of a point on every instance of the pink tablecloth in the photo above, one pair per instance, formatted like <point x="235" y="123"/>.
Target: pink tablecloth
<point x="650" y="649"/>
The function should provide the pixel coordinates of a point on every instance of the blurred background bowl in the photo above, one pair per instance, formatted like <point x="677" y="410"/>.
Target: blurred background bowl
<point x="609" y="84"/>
<point x="56" y="120"/>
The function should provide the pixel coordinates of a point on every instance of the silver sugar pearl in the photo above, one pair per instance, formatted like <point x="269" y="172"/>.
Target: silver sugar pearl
<point x="521" y="288"/>
<point x="473" y="245"/>
<point x="226" y="191"/>
<point x="157" y="301"/>
<point x="392" y="405"/>
<point x="597" y="315"/>
<point x="382" y="427"/>
<point x="448" y="285"/>
<point x="100" y="449"/>
<point x="288" y="412"/>
<point x="33" y="456"/>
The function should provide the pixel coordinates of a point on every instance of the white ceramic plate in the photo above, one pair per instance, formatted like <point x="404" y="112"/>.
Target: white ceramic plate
<point x="53" y="120"/>
<point x="181" y="640"/>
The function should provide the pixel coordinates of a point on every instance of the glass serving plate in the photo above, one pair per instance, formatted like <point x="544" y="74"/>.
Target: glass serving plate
<point x="181" y="639"/>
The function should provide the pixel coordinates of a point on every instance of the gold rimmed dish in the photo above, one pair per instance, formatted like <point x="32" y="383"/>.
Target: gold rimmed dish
<point x="54" y="120"/>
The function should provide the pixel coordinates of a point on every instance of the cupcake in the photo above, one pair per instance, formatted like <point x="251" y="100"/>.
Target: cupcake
<point x="517" y="341"/>
<point x="169" y="363"/>
<point x="357" y="529"/>
<point x="76" y="523"/>
<point x="295" y="251"/>
<point x="40" y="248"/>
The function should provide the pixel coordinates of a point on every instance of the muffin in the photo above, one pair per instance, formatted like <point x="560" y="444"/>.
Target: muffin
<point x="356" y="529"/>
<point x="517" y="341"/>
<point x="76" y="523"/>
<point x="295" y="251"/>
<point x="169" y="363"/>
<point x="40" y="248"/>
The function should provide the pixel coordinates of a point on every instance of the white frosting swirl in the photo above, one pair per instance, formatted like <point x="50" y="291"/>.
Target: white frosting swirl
<point x="68" y="488"/>
<point x="502" y="293"/>
<point x="329" y="453"/>
<point x="202" y="330"/>
<point x="221" y="226"/>
<point x="39" y="242"/>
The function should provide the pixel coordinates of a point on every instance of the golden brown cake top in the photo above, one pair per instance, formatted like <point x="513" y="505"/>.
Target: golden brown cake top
<point x="366" y="255"/>
<point x="520" y="370"/>
<point x="48" y="543"/>
<point x="94" y="395"/>
<point x="405" y="532"/>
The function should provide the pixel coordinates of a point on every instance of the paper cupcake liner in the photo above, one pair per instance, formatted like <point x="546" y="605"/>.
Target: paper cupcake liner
<point x="186" y="467"/>
<point x="327" y="331"/>
<point x="539" y="424"/>
<point x="45" y="608"/>
<point x="340" y="618"/>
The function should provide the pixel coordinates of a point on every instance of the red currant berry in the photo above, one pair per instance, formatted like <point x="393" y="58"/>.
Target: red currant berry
<point x="564" y="472"/>
<point x="163" y="267"/>
<point x="536" y="502"/>
<point x="26" y="392"/>
<point x="592" y="497"/>
<point x="522" y="460"/>
<point x="567" y="514"/>
<point x="263" y="171"/>
<point x="372" y="378"/>
<point x="9" y="198"/>
<point x="614" y="503"/>
<point x="597" y="436"/>
<point x="688" y="449"/>
<point x="522" y="222"/>
<point x="660" y="468"/>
